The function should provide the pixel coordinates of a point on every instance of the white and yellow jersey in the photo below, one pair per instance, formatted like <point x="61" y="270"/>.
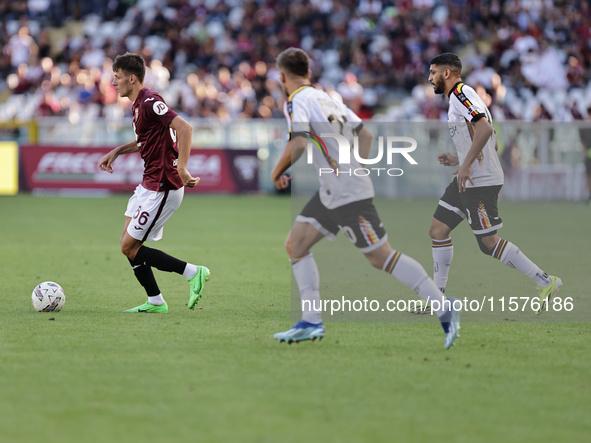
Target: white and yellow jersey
<point x="465" y="108"/>
<point x="311" y="113"/>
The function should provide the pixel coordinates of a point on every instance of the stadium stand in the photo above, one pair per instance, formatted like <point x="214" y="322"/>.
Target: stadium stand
<point x="215" y="59"/>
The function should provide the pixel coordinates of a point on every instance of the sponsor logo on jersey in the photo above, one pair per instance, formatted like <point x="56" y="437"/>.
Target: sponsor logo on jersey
<point x="160" y="108"/>
<point x="290" y="110"/>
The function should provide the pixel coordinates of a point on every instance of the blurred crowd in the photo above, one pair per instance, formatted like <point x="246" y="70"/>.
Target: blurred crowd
<point x="529" y="59"/>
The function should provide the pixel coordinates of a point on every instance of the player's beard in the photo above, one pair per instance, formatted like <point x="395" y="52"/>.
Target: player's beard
<point x="439" y="86"/>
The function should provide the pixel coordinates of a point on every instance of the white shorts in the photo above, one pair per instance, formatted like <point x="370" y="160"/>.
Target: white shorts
<point x="150" y="210"/>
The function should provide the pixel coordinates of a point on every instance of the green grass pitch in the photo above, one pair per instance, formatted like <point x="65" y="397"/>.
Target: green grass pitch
<point x="92" y="373"/>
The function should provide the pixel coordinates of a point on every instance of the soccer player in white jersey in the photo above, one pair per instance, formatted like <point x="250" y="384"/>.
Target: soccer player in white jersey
<point x="343" y="202"/>
<point x="473" y="193"/>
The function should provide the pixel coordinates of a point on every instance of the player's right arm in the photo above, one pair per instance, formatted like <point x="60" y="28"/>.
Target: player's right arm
<point x="483" y="130"/>
<point x="106" y="163"/>
<point x="294" y="111"/>
<point x="292" y="152"/>
<point x="364" y="137"/>
<point x="474" y="112"/>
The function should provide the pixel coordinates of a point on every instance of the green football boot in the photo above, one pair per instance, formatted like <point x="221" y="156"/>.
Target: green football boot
<point x="149" y="307"/>
<point x="197" y="282"/>
<point x="548" y="292"/>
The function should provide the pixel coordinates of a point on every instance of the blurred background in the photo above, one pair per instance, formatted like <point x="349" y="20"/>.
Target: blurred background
<point x="213" y="62"/>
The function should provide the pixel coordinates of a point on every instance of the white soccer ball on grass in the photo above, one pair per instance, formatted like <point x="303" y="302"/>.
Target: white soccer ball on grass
<point x="48" y="297"/>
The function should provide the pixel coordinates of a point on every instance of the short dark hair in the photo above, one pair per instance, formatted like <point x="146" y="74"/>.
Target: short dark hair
<point x="448" y="59"/>
<point x="294" y="61"/>
<point x="131" y="63"/>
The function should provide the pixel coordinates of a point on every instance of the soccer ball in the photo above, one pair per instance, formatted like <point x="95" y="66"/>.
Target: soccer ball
<point x="48" y="297"/>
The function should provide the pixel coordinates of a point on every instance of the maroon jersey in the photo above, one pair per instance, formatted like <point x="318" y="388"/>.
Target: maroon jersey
<point x="156" y="141"/>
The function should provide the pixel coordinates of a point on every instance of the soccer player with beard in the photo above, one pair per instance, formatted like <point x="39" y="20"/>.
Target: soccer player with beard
<point x="473" y="193"/>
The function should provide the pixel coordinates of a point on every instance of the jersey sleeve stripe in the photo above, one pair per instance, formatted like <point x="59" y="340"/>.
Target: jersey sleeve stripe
<point x="464" y="100"/>
<point x="314" y="139"/>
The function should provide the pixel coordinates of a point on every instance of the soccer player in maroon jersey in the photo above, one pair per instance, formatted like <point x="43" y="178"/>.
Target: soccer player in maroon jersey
<point x="163" y="139"/>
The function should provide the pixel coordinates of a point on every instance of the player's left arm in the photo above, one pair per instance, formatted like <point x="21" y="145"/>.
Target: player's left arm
<point x="483" y="130"/>
<point x="447" y="159"/>
<point x="184" y="133"/>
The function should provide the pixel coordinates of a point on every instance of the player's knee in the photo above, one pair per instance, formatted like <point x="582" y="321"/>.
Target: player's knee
<point x="377" y="258"/>
<point x="125" y="250"/>
<point x="432" y="231"/>
<point x="129" y="251"/>
<point x="438" y="232"/>
<point x="482" y="244"/>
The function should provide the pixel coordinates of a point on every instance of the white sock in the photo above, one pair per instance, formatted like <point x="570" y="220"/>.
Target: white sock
<point x="443" y="254"/>
<point x="410" y="272"/>
<point x="510" y="254"/>
<point x="156" y="299"/>
<point x="305" y="272"/>
<point x="190" y="270"/>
